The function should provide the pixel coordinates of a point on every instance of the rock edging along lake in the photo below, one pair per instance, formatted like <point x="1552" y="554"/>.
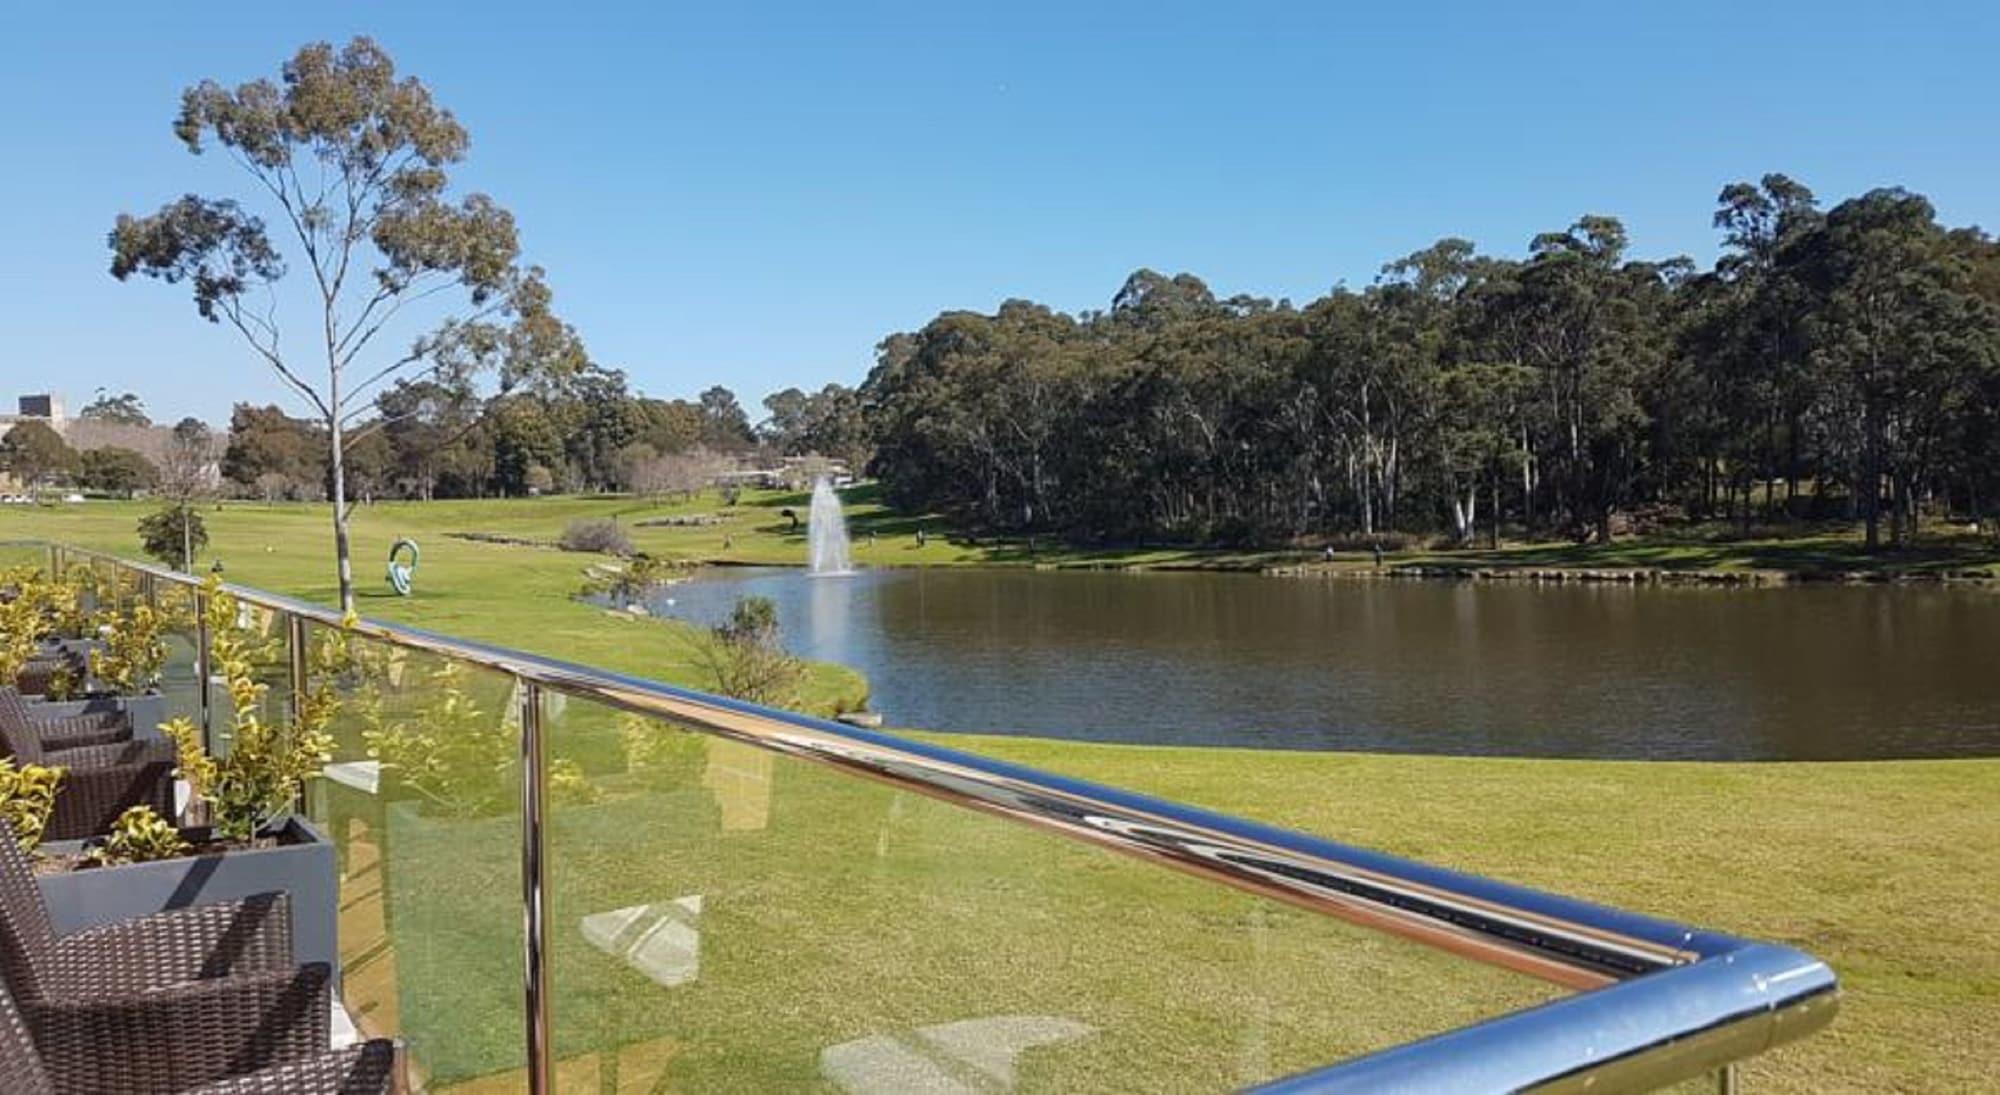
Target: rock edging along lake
<point x="1597" y="670"/>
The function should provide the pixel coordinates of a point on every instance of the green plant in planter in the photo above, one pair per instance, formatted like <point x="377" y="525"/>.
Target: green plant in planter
<point x="139" y="836"/>
<point x="62" y="685"/>
<point x="21" y="619"/>
<point x="134" y="653"/>
<point x="27" y="798"/>
<point x="268" y="760"/>
<point x="66" y="603"/>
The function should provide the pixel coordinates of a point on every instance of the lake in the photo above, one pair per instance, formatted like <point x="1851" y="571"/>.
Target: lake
<point x="1496" y="668"/>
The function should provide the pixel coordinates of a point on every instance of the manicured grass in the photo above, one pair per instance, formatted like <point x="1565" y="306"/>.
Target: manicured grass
<point x="515" y="596"/>
<point x="1889" y="871"/>
<point x="846" y="909"/>
<point x="758" y="531"/>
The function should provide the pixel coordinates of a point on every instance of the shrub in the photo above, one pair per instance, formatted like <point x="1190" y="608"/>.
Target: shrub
<point x="746" y="660"/>
<point x="256" y="781"/>
<point x="599" y="534"/>
<point x="139" y="836"/>
<point x="27" y="797"/>
<point x="134" y="653"/>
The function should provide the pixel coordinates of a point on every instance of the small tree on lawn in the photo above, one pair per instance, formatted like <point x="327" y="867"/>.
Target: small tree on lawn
<point x="745" y="657"/>
<point x="174" y="534"/>
<point x="351" y="162"/>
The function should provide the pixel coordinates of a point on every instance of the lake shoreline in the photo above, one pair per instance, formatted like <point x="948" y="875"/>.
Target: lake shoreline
<point x="1224" y="562"/>
<point x="1635" y="575"/>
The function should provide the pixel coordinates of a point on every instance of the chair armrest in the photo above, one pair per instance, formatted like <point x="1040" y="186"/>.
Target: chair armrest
<point x="89" y="800"/>
<point x="76" y="731"/>
<point x="114" y="753"/>
<point x="367" y="1069"/>
<point x="181" y="1037"/>
<point x="225" y="939"/>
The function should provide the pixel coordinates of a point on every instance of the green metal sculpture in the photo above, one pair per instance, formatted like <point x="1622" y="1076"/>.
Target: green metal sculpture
<point x="401" y="573"/>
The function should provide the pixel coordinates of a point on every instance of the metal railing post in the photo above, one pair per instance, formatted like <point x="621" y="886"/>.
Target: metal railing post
<point x="295" y="645"/>
<point x="202" y="669"/>
<point x="534" y="908"/>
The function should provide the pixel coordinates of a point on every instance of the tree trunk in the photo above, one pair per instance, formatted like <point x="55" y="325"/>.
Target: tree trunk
<point x="1527" y="485"/>
<point x="1493" y="536"/>
<point x="1870" y="486"/>
<point x="341" y="557"/>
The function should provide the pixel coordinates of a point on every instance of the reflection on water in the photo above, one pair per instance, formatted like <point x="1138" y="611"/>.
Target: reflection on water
<point x="1498" y="668"/>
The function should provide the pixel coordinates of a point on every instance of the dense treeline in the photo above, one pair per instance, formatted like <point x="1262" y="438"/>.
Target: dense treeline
<point x="587" y="431"/>
<point x="1839" y="362"/>
<point x="427" y="440"/>
<point x="1834" y="362"/>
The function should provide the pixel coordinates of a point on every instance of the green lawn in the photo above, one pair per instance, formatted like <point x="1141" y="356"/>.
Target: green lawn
<point x="1889" y="871"/>
<point x="833" y="909"/>
<point x="757" y="531"/>
<point x="522" y="597"/>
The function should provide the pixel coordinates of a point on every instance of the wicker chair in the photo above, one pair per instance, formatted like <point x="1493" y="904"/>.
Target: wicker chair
<point x="61" y="731"/>
<point x="39" y="672"/>
<point x="166" y="1002"/>
<point x="101" y="781"/>
<point x="371" y="1067"/>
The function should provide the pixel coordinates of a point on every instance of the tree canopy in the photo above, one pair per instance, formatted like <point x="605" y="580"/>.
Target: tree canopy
<point x="1833" y="363"/>
<point x="352" y="163"/>
<point x="35" y="453"/>
<point x="125" y="410"/>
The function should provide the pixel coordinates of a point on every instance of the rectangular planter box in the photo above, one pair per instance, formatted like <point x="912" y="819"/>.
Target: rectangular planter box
<point x="301" y="866"/>
<point x="147" y="711"/>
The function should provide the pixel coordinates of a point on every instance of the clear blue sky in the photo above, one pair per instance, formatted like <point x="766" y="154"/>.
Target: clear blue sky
<point x="756" y="198"/>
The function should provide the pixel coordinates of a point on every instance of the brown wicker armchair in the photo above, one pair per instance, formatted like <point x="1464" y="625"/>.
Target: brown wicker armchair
<point x="101" y="781"/>
<point x="162" y="1003"/>
<point x="371" y="1067"/>
<point x="61" y="731"/>
<point x="38" y="675"/>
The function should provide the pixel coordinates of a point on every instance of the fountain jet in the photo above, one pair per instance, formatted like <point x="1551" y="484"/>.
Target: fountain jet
<point x="826" y="532"/>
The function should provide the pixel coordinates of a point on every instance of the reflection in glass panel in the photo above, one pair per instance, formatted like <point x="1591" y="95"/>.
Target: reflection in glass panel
<point x="726" y="917"/>
<point x="422" y="803"/>
<point x="176" y="605"/>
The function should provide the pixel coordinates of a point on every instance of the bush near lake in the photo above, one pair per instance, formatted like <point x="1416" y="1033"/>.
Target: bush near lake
<point x="602" y="535"/>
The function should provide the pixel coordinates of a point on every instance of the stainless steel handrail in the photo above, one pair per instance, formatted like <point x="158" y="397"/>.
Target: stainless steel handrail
<point x="1664" y="1002"/>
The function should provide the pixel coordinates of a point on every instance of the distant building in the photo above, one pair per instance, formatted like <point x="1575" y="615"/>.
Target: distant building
<point x="48" y="406"/>
<point x="45" y="407"/>
<point x="791" y="473"/>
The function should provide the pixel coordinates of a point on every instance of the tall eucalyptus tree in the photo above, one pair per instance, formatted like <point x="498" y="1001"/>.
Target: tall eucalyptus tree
<point x="351" y="163"/>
